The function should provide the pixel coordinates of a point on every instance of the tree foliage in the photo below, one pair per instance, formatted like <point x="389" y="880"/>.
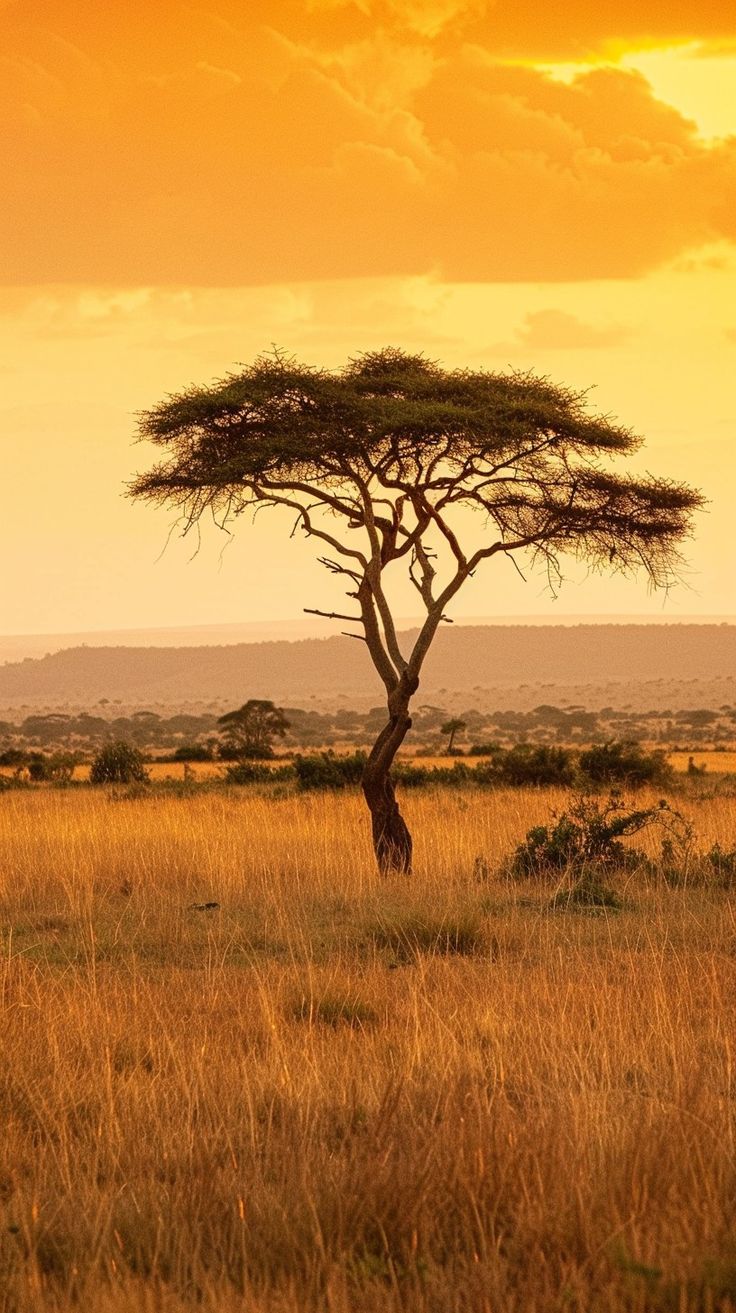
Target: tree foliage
<point x="251" y="729"/>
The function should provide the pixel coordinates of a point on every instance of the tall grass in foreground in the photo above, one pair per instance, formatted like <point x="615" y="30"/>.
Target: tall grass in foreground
<point x="337" y="1094"/>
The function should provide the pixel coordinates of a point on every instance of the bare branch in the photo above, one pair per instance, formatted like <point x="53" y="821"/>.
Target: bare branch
<point x="380" y="535"/>
<point x="311" y="529"/>
<point x="332" y="615"/>
<point x="336" y="568"/>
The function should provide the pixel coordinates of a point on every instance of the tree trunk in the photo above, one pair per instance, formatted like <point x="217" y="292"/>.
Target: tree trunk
<point x="392" y="842"/>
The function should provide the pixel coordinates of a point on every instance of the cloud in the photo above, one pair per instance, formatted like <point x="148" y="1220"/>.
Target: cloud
<point x="230" y="153"/>
<point x="558" y="330"/>
<point x="530" y="29"/>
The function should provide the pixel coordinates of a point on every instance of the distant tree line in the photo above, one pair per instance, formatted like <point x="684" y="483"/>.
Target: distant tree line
<point x="207" y="737"/>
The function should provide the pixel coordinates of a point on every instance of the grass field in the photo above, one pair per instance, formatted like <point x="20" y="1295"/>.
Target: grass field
<point x="332" y="1093"/>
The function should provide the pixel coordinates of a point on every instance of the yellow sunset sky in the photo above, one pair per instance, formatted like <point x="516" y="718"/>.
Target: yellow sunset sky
<point x="509" y="184"/>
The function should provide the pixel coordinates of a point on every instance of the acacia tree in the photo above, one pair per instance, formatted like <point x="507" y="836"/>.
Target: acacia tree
<point x="252" y="728"/>
<point x="452" y="727"/>
<point x="380" y="463"/>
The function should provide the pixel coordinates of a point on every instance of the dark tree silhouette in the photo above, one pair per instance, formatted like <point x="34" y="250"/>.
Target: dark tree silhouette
<point x="452" y="728"/>
<point x="252" y="728"/>
<point x="118" y="763"/>
<point x="381" y="462"/>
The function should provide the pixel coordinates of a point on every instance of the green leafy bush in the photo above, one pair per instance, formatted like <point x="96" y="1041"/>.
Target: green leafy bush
<point x="118" y="763"/>
<point x="623" y="761"/>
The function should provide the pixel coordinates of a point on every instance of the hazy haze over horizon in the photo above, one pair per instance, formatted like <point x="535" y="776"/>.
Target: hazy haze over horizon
<point x="19" y="647"/>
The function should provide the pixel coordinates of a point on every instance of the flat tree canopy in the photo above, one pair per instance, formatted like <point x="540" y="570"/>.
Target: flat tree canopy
<point x="380" y="461"/>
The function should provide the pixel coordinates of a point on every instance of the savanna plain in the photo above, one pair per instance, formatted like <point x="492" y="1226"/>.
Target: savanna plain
<point x="335" y="1092"/>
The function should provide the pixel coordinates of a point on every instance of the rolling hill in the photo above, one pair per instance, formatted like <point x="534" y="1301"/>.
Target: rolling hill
<point x="463" y="659"/>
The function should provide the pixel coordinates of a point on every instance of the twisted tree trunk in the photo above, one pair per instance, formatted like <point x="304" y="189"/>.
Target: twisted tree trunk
<point x="392" y="842"/>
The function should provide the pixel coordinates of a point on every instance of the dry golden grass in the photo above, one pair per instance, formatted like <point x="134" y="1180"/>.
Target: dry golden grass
<point x="713" y="762"/>
<point x="334" y="1094"/>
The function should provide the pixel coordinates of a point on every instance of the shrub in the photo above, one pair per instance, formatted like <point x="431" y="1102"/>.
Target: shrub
<point x="419" y="777"/>
<point x="325" y="770"/>
<point x="585" y="844"/>
<point x="192" y="752"/>
<point x="57" y="767"/>
<point x="37" y="769"/>
<point x="623" y="761"/>
<point x="118" y="763"/>
<point x="529" y="763"/>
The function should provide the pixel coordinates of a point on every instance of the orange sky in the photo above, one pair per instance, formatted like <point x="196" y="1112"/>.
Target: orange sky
<point x="509" y="183"/>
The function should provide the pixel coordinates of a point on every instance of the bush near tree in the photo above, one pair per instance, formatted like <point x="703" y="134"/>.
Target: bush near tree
<point x="118" y="763"/>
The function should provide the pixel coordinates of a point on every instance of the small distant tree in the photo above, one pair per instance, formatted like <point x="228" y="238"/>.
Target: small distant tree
<point x="118" y="763"/>
<point x="453" y="728"/>
<point x="251" y="730"/>
<point x="382" y="463"/>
